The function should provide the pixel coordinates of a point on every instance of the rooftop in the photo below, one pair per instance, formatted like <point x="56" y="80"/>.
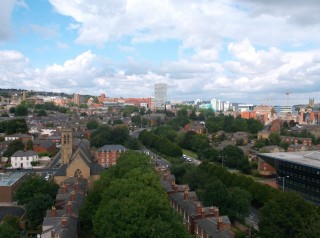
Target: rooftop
<point x="305" y="158"/>
<point x="10" y="178"/>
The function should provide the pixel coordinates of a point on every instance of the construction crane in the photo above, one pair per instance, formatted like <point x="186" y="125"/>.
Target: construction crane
<point x="288" y="94"/>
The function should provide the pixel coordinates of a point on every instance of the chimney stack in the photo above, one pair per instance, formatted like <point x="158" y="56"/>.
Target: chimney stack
<point x="53" y="211"/>
<point x="73" y="196"/>
<point x="64" y="221"/>
<point x="165" y="175"/>
<point x="185" y="195"/>
<point x="69" y="205"/>
<point x="64" y="188"/>
<point x="219" y="224"/>
<point x="173" y="184"/>
<point x="211" y="210"/>
<point x="76" y="186"/>
<point x="203" y="212"/>
<point x="175" y="188"/>
<point x="198" y="209"/>
<point x="216" y="212"/>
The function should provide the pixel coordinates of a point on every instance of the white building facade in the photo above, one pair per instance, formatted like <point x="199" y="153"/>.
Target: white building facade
<point x="160" y="95"/>
<point x="23" y="159"/>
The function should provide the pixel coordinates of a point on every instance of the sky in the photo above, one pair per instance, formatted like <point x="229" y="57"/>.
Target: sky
<point x="245" y="51"/>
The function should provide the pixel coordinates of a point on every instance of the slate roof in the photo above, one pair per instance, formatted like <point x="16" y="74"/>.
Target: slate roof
<point x="209" y="225"/>
<point x="84" y="152"/>
<point x="21" y="153"/>
<point x="112" y="148"/>
<point x="53" y="225"/>
<point x="44" y="143"/>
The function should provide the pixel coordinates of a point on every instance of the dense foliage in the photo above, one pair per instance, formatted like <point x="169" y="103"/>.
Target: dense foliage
<point x="13" y="147"/>
<point x="14" y="126"/>
<point x="231" y="124"/>
<point x="159" y="143"/>
<point x="37" y="195"/>
<point x="128" y="201"/>
<point x="105" y="134"/>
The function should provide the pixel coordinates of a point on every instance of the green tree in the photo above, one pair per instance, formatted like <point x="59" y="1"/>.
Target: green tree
<point x="42" y="113"/>
<point x="32" y="186"/>
<point x="286" y="215"/>
<point x="239" y="124"/>
<point x="239" y="205"/>
<point x="12" y="110"/>
<point x="12" y="221"/>
<point x="215" y="193"/>
<point x="29" y="145"/>
<point x="36" y="209"/>
<point x="92" y="124"/>
<point x="13" y="147"/>
<point x="21" y="110"/>
<point x="6" y="231"/>
<point x="274" y="138"/>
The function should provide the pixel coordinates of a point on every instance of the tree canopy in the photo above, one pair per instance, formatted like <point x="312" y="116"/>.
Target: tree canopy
<point x="128" y="201"/>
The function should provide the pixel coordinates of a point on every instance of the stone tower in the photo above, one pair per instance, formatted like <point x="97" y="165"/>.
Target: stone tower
<point x="66" y="145"/>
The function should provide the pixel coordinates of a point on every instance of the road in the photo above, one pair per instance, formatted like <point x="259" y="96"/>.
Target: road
<point x="253" y="218"/>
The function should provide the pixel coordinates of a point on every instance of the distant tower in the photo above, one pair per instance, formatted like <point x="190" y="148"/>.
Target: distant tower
<point x="311" y="102"/>
<point x="66" y="145"/>
<point x="76" y="99"/>
<point x="160" y="95"/>
<point x="24" y="94"/>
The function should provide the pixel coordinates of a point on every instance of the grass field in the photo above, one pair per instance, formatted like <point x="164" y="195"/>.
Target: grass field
<point x="190" y="153"/>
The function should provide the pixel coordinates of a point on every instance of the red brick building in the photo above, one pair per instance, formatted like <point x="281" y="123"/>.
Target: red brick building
<point x="108" y="154"/>
<point x="9" y="183"/>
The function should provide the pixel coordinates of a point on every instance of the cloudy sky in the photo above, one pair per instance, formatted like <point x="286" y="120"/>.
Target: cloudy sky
<point x="250" y="51"/>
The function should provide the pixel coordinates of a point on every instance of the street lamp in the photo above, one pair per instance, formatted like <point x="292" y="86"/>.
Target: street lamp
<point x="222" y="159"/>
<point x="283" y="178"/>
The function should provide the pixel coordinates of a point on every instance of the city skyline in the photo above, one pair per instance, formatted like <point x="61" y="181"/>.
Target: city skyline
<point x="239" y="51"/>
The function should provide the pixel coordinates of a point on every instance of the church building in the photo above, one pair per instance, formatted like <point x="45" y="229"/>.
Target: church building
<point x="76" y="160"/>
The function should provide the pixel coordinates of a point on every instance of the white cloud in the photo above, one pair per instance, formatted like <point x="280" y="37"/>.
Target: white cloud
<point x="5" y="16"/>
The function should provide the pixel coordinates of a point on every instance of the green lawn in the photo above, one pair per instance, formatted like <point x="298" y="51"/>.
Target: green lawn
<point x="190" y="153"/>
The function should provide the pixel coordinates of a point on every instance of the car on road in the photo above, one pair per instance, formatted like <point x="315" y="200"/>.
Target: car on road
<point x="189" y="160"/>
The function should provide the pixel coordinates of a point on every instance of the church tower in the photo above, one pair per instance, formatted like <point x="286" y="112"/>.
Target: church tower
<point x="66" y="145"/>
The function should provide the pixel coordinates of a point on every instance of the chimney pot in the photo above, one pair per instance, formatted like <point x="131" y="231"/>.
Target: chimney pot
<point x="53" y="211"/>
<point x="186" y="194"/>
<point x="76" y="187"/>
<point x="220" y="224"/>
<point x="73" y="196"/>
<point x="216" y="212"/>
<point x="198" y="209"/>
<point x="203" y="212"/>
<point x="69" y="205"/>
<point x="64" y="221"/>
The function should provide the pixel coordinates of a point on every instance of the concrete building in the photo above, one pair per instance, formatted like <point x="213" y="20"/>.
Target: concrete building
<point x="9" y="183"/>
<point x="160" y="95"/>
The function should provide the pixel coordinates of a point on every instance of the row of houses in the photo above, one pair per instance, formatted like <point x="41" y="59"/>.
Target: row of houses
<point x="202" y="222"/>
<point x="62" y="220"/>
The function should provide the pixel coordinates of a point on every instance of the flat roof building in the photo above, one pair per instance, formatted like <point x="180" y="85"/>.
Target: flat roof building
<point x="297" y="171"/>
<point x="9" y="183"/>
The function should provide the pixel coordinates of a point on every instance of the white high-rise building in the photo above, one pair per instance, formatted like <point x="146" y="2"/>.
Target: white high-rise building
<point x="214" y="104"/>
<point x="160" y="95"/>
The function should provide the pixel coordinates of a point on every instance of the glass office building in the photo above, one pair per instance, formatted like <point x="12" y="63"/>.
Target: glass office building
<point x="297" y="171"/>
